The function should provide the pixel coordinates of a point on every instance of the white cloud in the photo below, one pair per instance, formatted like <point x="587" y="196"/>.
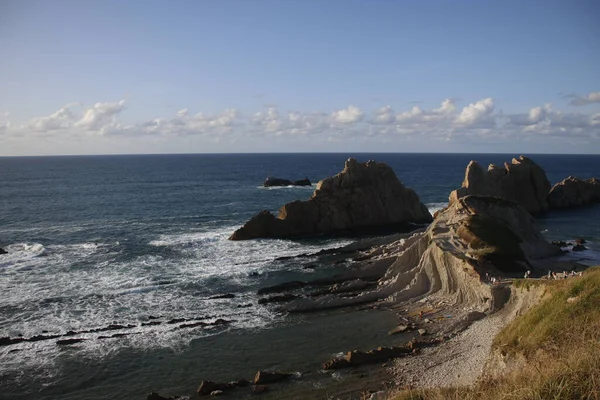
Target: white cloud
<point x="384" y="116"/>
<point x="348" y="115"/>
<point x="576" y="100"/>
<point x="478" y="121"/>
<point x="477" y="113"/>
<point x="101" y="117"/>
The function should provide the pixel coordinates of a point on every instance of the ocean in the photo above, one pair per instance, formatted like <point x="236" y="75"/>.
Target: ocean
<point x="128" y="244"/>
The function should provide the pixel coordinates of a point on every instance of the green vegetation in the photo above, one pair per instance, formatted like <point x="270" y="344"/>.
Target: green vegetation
<point x="557" y="343"/>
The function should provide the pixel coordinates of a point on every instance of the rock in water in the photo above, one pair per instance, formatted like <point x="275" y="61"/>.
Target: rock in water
<point x="270" y="181"/>
<point x="363" y="196"/>
<point x="2" y="251"/>
<point x="265" y="377"/>
<point x="574" y="192"/>
<point x="522" y="181"/>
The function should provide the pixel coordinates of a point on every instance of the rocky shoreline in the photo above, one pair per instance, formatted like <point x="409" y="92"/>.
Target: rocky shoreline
<point x="449" y="284"/>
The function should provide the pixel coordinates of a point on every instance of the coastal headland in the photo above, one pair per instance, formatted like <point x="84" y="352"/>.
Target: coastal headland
<point x="446" y="289"/>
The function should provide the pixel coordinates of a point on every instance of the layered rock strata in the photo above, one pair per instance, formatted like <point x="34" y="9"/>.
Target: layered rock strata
<point x="448" y="261"/>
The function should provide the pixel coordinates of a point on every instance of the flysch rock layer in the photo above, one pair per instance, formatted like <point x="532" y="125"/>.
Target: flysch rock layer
<point x="522" y="181"/>
<point x="363" y="196"/>
<point x="447" y="261"/>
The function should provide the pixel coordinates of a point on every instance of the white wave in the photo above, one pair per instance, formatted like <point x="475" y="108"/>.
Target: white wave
<point x="311" y="187"/>
<point x="433" y="207"/>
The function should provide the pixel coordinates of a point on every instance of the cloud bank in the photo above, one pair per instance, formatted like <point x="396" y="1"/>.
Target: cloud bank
<point x="478" y="120"/>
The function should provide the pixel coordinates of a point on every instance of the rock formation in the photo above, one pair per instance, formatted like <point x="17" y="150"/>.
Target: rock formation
<point x="2" y="251"/>
<point x="574" y="192"/>
<point x="363" y="196"/>
<point x="449" y="260"/>
<point x="522" y="181"/>
<point x="270" y="181"/>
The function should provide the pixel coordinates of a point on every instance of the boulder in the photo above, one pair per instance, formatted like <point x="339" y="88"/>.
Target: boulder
<point x="265" y="377"/>
<point x="363" y="197"/>
<point x="2" y="251"/>
<point x="270" y="181"/>
<point x="574" y="192"/>
<point x="522" y="181"/>
<point x="207" y="387"/>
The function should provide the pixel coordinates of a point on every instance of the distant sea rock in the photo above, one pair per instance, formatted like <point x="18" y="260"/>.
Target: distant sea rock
<point x="270" y="181"/>
<point x="522" y="181"/>
<point x="2" y="251"/>
<point x="574" y="192"/>
<point x="363" y="196"/>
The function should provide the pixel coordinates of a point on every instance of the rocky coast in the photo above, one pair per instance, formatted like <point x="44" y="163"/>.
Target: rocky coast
<point x="448" y="285"/>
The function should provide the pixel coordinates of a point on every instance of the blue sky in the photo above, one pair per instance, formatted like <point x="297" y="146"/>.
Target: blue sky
<point x="82" y="77"/>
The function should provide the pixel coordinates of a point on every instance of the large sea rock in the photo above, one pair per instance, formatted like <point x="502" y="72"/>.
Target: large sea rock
<point x="574" y="192"/>
<point x="448" y="262"/>
<point x="363" y="196"/>
<point x="522" y="181"/>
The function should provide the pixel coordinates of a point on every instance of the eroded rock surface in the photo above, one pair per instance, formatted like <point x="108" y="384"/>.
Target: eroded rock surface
<point x="363" y="196"/>
<point x="574" y="192"/>
<point x="522" y="181"/>
<point x="449" y="260"/>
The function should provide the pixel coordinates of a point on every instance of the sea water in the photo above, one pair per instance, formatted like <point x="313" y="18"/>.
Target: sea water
<point x="95" y="241"/>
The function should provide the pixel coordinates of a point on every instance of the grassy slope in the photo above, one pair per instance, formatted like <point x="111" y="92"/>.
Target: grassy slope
<point x="559" y="341"/>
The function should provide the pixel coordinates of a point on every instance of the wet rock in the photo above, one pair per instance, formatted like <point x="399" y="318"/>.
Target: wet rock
<point x="271" y="182"/>
<point x="422" y="332"/>
<point x="398" y="329"/>
<point x="64" y="342"/>
<point x="5" y="341"/>
<point x="282" y="287"/>
<point x="277" y="299"/>
<point x="222" y="296"/>
<point x="192" y="325"/>
<point x="240" y="383"/>
<point x="151" y="323"/>
<point x="2" y="251"/>
<point x="207" y="387"/>
<point x="579" y="247"/>
<point x="337" y="363"/>
<point x="156" y="396"/>
<point x="259" y="389"/>
<point x="266" y="377"/>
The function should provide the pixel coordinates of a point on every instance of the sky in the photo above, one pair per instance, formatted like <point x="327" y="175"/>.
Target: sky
<point x="245" y="76"/>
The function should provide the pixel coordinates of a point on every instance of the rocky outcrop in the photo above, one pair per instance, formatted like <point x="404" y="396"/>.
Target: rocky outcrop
<point x="270" y="181"/>
<point x="522" y="181"/>
<point x="363" y="196"/>
<point x="448" y="262"/>
<point x="574" y="192"/>
<point x="2" y="251"/>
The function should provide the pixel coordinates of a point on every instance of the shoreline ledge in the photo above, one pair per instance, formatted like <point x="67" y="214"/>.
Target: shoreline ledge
<point x="362" y="198"/>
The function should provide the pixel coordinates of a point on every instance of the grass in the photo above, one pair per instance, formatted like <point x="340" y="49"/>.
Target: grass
<point x="558" y="342"/>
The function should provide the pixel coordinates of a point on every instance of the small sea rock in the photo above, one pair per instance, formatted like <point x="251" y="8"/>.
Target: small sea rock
<point x="259" y="389"/>
<point x="422" y="332"/>
<point x="398" y="329"/>
<point x="265" y="377"/>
